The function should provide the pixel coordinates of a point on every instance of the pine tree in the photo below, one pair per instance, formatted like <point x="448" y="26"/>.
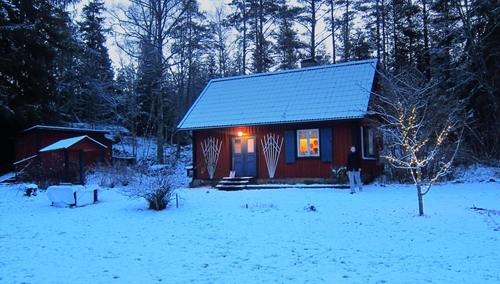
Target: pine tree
<point x="191" y="40"/>
<point x="129" y="109"/>
<point x="309" y="19"/>
<point x="287" y="41"/>
<point x="146" y="83"/>
<point x="34" y="37"/>
<point x="31" y="38"/>
<point x="360" y="48"/>
<point x="332" y="24"/>
<point x="346" y="26"/>
<point x="261" y="12"/>
<point x="66" y="75"/>
<point x="465" y="56"/>
<point x="374" y="15"/>
<point x="240" y="19"/>
<point x="96" y="96"/>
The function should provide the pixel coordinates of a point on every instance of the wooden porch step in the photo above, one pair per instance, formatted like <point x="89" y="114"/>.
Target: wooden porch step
<point x="233" y="183"/>
<point x="237" y="178"/>
<point x="230" y="187"/>
<point x="226" y="181"/>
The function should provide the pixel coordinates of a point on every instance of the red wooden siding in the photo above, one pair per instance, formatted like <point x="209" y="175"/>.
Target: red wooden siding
<point x="49" y="167"/>
<point x="302" y="168"/>
<point x="30" y="142"/>
<point x="53" y="163"/>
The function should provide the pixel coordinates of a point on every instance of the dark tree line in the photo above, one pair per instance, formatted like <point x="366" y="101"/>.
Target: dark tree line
<point x="56" y="69"/>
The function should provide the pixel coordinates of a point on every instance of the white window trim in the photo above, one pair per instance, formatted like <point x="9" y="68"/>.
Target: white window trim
<point x="363" y="145"/>
<point x="308" y="155"/>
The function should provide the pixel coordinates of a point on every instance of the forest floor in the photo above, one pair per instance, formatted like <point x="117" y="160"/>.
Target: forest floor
<point x="257" y="236"/>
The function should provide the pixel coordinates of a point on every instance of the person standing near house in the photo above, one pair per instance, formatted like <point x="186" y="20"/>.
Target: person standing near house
<point x="354" y="170"/>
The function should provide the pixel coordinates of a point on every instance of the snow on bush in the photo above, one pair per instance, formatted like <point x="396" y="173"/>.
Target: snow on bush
<point x="110" y="176"/>
<point x="155" y="183"/>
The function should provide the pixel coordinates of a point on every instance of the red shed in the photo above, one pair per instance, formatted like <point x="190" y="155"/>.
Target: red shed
<point x="287" y="126"/>
<point x="55" y="154"/>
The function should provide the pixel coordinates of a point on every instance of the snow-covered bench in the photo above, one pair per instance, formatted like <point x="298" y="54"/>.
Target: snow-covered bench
<point x="72" y="195"/>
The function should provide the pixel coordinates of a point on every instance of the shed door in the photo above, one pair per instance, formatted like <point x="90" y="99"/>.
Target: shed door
<point x="244" y="156"/>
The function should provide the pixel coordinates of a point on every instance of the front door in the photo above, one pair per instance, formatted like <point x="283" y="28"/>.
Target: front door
<point x="244" y="156"/>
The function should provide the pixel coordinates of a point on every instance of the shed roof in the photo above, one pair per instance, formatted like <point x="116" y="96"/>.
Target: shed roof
<point x="64" y="128"/>
<point x="329" y="92"/>
<point x="68" y="143"/>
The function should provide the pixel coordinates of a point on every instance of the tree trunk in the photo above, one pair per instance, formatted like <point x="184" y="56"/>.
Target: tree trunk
<point x="313" y="30"/>
<point x="244" y="43"/>
<point x="261" y="36"/>
<point x="346" y="33"/>
<point x="427" y="61"/>
<point x="377" y="13"/>
<point x="332" y="4"/>
<point x="384" y="37"/>
<point x="395" y="37"/>
<point x="420" y="200"/>
<point x="160" y="141"/>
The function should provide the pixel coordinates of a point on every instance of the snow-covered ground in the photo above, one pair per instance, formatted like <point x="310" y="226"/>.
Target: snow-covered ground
<point x="257" y="236"/>
<point x="146" y="149"/>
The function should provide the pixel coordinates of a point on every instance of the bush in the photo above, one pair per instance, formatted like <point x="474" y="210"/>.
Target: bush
<point x="157" y="188"/>
<point x="155" y="183"/>
<point x="110" y="176"/>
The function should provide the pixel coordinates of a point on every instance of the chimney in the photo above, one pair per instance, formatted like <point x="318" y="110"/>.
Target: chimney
<point x="308" y="62"/>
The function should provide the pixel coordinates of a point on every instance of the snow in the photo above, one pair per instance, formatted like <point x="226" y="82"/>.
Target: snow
<point x="64" y="128"/>
<point x="146" y="149"/>
<point x="67" y="143"/>
<point x="477" y="173"/>
<point x="7" y="176"/>
<point x="62" y="195"/>
<point x="257" y="236"/>
<point x="325" y="92"/>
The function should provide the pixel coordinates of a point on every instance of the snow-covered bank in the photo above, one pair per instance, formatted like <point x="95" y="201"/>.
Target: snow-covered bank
<point x="260" y="236"/>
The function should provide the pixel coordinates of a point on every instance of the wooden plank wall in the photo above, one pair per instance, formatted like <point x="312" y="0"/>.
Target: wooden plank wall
<point x="29" y="143"/>
<point x="302" y="168"/>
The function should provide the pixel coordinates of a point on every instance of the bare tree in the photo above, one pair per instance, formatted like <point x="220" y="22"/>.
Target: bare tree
<point x="221" y="31"/>
<point x="152" y="21"/>
<point x="422" y="132"/>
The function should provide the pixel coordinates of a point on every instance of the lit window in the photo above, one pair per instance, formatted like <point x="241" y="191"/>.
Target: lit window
<point x="237" y="146"/>
<point x="368" y="136"/>
<point x="308" y="143"/>
<point x="250" y="145"/>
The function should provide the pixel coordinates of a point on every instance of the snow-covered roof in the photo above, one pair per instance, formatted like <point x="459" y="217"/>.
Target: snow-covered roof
<point x="67" y="143"/>
<point x="63" y="128"/>
<point x="329" y="92"/>
<point x="111" y="128"/>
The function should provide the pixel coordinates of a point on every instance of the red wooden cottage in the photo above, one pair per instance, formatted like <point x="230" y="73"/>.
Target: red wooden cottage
<point x="289" y="126"/>
<point x="60" y="154"/>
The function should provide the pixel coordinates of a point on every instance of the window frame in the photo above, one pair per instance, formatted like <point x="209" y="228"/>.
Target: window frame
<point x="373" y="140"/>
<point x="308" y="155"/>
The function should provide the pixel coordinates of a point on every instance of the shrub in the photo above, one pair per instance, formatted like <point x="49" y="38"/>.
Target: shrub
<point x="110" y="176"/>
<point x="155" y="183"/>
